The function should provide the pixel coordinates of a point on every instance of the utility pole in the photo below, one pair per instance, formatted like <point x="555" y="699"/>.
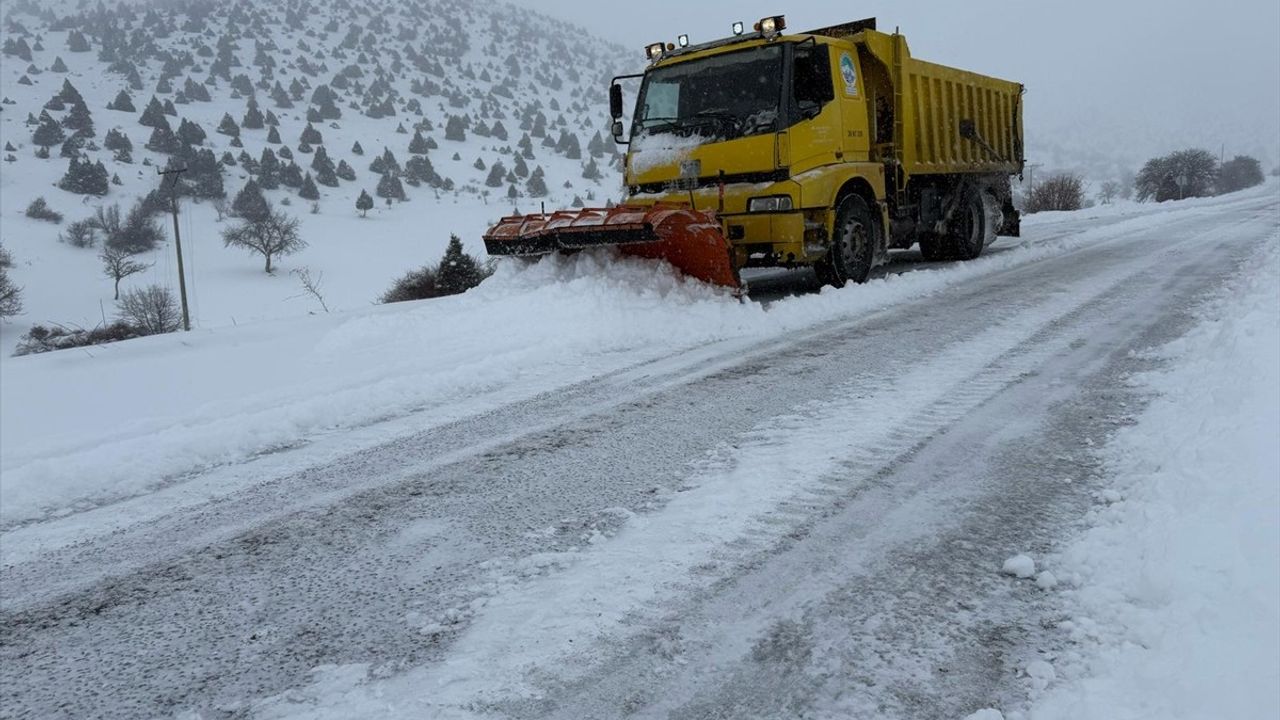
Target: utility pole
<point x="177" y="243"/>
<point x="1031" y="176"/>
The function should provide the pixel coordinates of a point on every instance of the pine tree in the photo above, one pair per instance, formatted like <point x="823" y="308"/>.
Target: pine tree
<point x="195" y="91"/>
<point x="389" y="187"/>
<point x="458" y="271"/>
<point x="497" y="174"/>
<point x="253" y="119"/>
<point x="291" y="175"/>
<point x="206" y="176"/>
<point x="69" y="94"/>
<point x="78" y="119"/>
<point x="250" y="204"/>
<point x="311" y="136"/>
<point x="455" y="129"/>
<point x="326" y="176"/>
<point x="228" y="126"/>
<point x="117" y="140"/>
<point x="163" y="140"/>
<point x="49" y="133"/>
<point x="123" y="103"/>
<point x="345" y="171"/>
<point x="273" y="136"/>
<point x="86" y="178"/>
<point x="58" y="66"/>
<point x="309" y="190"/>
<point x="356" y="149"/>
<point x="73" y="147"/>
<point x="591" y="171"/>
<point x="418" y="145"/>
<point x="536" y="186"/>
<point x="190" y="133"/>
<point x="269" y="170"/>
<point x="153" y="115"/>
<point x="76" y="42"/>
<point x="364" y="203"/>
<point x="596" y="145"/>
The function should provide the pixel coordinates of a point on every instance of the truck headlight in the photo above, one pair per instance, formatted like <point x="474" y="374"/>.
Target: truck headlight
<point x="771" y="203"/>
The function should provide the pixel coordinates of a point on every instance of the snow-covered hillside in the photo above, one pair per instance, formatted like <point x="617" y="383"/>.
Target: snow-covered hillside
<point x="526" y="93"/>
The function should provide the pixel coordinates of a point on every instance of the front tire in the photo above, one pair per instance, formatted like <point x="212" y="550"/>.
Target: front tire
<point x="853" y="245"/>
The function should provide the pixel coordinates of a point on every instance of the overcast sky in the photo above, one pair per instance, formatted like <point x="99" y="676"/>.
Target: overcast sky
<point x="1125" y="77"/>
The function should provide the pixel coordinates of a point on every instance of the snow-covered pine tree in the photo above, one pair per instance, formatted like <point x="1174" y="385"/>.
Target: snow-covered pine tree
<point x="250" y="204"/>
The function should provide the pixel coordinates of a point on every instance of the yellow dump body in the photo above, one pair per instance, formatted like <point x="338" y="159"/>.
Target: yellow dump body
<point x="929" y="103"/>
<point x="939" y="97"/>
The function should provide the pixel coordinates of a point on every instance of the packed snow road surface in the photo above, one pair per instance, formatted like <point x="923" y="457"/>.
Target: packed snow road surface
<point x="804" y="521"/>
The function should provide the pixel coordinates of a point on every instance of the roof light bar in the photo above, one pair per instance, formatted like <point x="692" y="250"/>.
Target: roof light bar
<point x="653" y="51"/>
<point x="771" y="26"/>
<point x="737" y="28"/>
<point x="683" y="40"/>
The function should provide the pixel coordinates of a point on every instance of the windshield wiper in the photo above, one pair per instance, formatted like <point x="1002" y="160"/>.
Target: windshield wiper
<point x="733" y="122"/>
<point x="659" y="123"/>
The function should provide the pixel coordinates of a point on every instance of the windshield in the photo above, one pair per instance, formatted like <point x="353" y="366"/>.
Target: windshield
<point x="723" y="97"/>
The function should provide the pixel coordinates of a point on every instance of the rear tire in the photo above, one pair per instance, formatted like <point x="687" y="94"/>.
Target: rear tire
<point x="852" y="247"/>
<point x="968" y="230"/>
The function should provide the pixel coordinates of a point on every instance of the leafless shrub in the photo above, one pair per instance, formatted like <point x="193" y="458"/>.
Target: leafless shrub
<point x="311" y="285"/>
<point x="151" y="310"/>
<point x="1064" y="191"/>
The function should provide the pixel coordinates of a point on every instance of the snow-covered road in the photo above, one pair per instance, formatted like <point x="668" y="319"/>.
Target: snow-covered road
<point x="807" y="522"/>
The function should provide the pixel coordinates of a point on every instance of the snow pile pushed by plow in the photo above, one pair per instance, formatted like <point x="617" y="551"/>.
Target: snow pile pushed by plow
<point x="1178" y="599"/>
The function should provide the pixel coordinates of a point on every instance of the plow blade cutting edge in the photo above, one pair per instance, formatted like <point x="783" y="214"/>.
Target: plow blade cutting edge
<point x="691" y="240"/>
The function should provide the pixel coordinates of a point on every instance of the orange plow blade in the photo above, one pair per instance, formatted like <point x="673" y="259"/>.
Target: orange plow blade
<point x="691" y="240"/>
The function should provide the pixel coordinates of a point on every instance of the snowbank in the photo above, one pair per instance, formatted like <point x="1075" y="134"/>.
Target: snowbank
<point x="1177" y="603"/>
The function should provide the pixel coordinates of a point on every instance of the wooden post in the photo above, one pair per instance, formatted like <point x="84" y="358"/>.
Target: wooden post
<point x="177" y="243"/>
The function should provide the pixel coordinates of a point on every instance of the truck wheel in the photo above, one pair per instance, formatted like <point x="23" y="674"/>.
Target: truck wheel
<point x="968" y="230"/>
<point x="852" y="247"/>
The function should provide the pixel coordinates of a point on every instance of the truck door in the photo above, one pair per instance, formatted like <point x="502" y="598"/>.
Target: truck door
<point x="813" y="130"/>
<point x="851" y="95"/>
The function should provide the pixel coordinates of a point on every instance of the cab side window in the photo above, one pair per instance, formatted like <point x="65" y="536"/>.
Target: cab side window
<point x="812" y="80"/>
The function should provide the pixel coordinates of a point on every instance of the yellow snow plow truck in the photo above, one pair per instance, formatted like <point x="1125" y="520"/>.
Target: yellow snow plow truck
<point x="823" y="148"/>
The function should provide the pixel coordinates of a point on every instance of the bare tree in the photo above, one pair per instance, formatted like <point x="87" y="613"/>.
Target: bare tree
<point x="311" y="285"/>
<point x="221" y="207"/>
<point x="80" y="233"/>
<point x="1108" y="192"/>
<point x="119" y="264"/>
<point x="10" y="294"/>
<point x="151" y="310"/>
<point x="274" y="235"/>
<point x="107" y="220"/>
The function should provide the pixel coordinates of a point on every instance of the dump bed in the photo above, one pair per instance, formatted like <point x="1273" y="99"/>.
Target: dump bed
<point x="931" y="100"/>
<point x="937" y="98"/>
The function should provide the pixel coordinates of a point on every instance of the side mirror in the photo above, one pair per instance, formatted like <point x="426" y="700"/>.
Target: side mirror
<point x="618" y="131"/>
<point x="615" y="101"/>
